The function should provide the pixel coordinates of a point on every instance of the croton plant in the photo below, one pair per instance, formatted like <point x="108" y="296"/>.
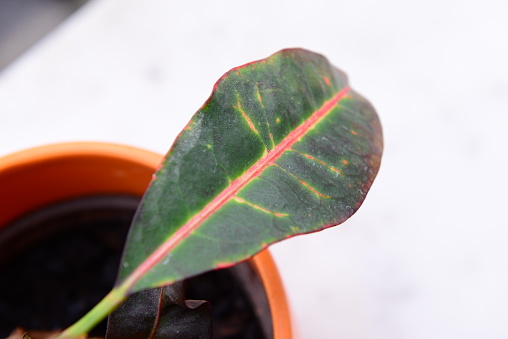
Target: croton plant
<point x="282" y="147"/>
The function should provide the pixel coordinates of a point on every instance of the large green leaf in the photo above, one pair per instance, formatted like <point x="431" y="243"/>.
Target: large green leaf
<point x="282" y="147"/>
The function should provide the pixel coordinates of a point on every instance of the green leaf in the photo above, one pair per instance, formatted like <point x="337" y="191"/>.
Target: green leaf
<point x="282" y="147"/>
<point x="161" y="313"/>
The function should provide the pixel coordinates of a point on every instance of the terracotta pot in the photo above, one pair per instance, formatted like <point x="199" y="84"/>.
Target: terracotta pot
<point x="47" y="175"/>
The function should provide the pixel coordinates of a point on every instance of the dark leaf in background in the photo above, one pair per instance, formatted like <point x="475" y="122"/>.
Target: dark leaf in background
<point x="161" y="313"/>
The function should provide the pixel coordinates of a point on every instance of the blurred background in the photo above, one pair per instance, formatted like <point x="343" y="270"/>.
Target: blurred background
<point x="425" y="257"/>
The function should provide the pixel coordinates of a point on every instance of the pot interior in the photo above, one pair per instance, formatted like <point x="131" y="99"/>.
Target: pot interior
<point x="58" y="262"/>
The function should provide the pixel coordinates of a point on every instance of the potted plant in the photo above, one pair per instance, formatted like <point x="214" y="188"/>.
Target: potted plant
<point x="282" y="147"/>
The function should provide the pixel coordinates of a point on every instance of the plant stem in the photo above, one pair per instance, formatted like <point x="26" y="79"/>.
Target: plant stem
<point x="111" y="301"/>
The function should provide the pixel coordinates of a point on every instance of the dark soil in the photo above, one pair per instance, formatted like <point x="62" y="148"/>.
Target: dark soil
<point x="65" y="260"/>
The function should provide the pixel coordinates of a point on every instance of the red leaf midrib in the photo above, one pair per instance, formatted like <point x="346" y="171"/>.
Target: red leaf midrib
<point x="235" y="186"/>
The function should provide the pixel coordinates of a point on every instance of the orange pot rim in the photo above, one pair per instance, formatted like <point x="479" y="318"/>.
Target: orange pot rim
<point x="43" y="153"/>
<point x="57" y="156"/>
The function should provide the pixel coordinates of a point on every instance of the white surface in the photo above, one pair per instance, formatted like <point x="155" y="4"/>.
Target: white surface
<point x="425" y="257"/>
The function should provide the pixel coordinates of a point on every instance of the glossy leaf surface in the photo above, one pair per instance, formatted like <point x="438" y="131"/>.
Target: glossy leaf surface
<point x="282" y="147"/>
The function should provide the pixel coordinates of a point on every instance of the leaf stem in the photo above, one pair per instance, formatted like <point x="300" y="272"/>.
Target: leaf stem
<point x="111" y="301"/>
